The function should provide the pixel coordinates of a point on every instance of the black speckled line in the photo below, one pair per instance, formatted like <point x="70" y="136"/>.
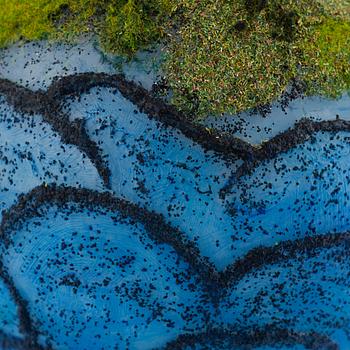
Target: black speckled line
<point x="28" y="206"/>
<point x="250" y="338"/>
<point x="258" y="257"/>
<point x="223" y="144"/>
<point x="30" y="340"/>
<point x="159" y="230"/>
<point x="283" y="142"/>
<point x="26" y="101"/>
<point x="48" y="104"/>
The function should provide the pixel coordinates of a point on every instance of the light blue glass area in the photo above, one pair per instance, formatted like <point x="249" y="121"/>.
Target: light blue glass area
<point x="35" y="64"/>
<point x="255" y="128"/>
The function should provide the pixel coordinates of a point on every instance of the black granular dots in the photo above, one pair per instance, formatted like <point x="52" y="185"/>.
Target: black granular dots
<point x="250" y="338"/>
<point x="29" y="102"/>
<point x="216" y="285"/>
<point x="47" y="104"/>
<point x="159" y="230"/>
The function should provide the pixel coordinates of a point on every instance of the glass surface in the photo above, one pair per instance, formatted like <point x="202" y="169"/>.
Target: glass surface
<point x="181" y="247"/>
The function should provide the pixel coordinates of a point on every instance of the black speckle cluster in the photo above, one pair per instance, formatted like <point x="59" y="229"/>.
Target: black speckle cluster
<point x="123" y="227"/>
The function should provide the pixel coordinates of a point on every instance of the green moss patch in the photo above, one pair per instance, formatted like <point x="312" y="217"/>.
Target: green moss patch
<point x="123" y="25"/>
<point x="231" y="56"/>
<point x="327" y="58"/>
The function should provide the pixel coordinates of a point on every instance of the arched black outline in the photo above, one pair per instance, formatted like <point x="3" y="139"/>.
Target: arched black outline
<point x="258" y="257"/>
<point x="49" y="104"/>
<point x="161" y="231"/>
<point x="28" y="206"/>
<point x="29" y="102"/>
<point x="155" y="224"/>
<point x="249" y="338"/>
<point x="300" y="133"/>
<point x="30" y="339"/>
<point x="211" y="140"/>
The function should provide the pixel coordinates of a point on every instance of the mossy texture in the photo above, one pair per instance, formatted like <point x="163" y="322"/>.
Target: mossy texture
<point x="327" y="58"/>
<point x="123" y="25"/>
<point x="231" y="56"/>
<point x="221" y="56"/>
<point x="132" y="24"/>
<point x="38" y="19"/>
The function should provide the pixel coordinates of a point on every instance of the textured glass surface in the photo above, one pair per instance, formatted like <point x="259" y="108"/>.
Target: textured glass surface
<point x="121" y="229"/>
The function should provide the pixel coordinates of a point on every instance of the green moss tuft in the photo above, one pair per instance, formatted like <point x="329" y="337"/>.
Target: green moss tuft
<point x="131" y="24"/>
<point x="326" y="64"/>
<point x="215" y="68"/>
<point x="124" y="25"/>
